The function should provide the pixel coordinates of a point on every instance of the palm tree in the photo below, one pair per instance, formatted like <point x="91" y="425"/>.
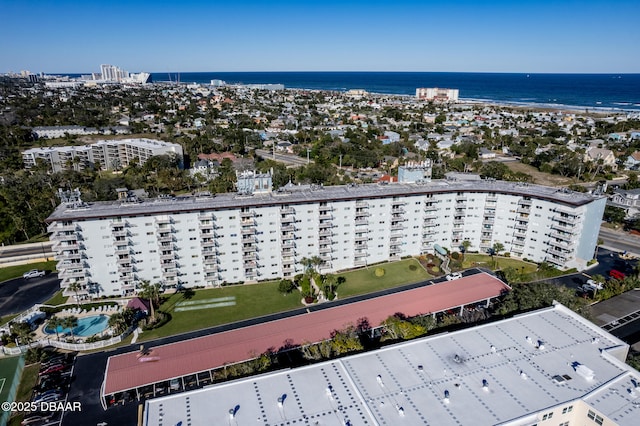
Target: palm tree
<point x="55" y="322"/>
<point x="70" y="322"/>
<point x="117" y="322"/>
<point x="23" y="332"/>
<point x="151" y="292"/>
<point x="75" y="287"/>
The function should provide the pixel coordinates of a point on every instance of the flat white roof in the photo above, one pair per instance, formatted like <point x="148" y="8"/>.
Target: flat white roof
<point x="519" y="360"/>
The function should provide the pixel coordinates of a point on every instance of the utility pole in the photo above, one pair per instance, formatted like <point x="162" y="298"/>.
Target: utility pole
<point x="308" y="150"/>
<point x="340" y="166"/>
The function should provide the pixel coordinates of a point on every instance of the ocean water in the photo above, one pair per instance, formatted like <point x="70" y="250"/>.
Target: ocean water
<point x="580" y="91"/>
<point x="593" y="91"/>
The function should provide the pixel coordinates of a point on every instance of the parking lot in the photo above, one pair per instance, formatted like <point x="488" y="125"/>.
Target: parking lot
<point x="50" y="392"/>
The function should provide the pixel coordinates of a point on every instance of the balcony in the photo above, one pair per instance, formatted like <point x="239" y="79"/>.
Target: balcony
<point x="568" y="246"/>
<point x="288" y="245"/>
<point x="208" y="224"/>
<point x="122" y="223"/>
<point x="524" y="202"/>
<point x="325" y="208"/>
<point x="163" y="221"/>
<point x="125" y="269"/>
<point x="428" y="239"/>
<point x="67" y="256"/>
<point x="362" y="213"/>
<point x="287" y="219"/>
<point x="397" y="226"/>
<point x="248" y="231"/>
<point x="520" y="233"/>
<point x="288" y="228"/>
<point x="288" y="236"/>
<point x="288" y="260"/>
<point x="123" y="251"/>
<point x="461" y="198"/>
<point x="59" y="227"/>
<point x="523" y="218"/>
<point x="325" y="225"/>
<point x="520" y="226"/>
<point x="429" y="232"/>
<point x="245" y="214"/>
<point x="65" y="236"/>
<point x="165" y="238"/>
<point x="458" y="221"/>
<point x="564" y="228"/>
<point x="248" y="222"/>
<point x="362" y="222"/>
<point x="210" y="260"/>
<point x="208" y="243"/>
<point x="249" y="239"/>
<point x="168" y="264"/>
<point x="211" y="269"/>
<point x="325" y="233"/>
<point x="169" y="273"/>
<point x="395" y="250"/>
<point x="67" y="246"/>
<point x="398" y="210"/>
<point x="325" y="216"/>
<point x="287" y="210"/>
<point x="361" y="238"/>
<point x="489" y="213"/>
<point x="206" y="216"/>
<point x="250" y="256"/>
<point x="563" y="236"/>
<point x="324" y="249"/>
<point x="167" y="256"/>
<point x="517" y="250"/>
<point x="250" y="264"/>
<point x="362" y="204"/>
<point x="566" y="219"/>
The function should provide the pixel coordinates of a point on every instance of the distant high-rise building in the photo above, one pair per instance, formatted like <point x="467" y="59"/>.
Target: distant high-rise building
<point x="112" y="73"/>
<point x="437" y="94"/>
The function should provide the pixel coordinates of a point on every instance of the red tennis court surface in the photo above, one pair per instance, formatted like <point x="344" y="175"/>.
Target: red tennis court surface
<point x="206" y="353"/>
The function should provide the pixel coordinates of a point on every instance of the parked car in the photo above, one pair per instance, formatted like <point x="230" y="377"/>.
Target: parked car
<point x="454" y="276"/>
<point x="614" y="273"/>
<point x="34" y="273"/>
<point x="36" y="419"/>
<point x="49" y="397"/>
<point x="52" y="369"/>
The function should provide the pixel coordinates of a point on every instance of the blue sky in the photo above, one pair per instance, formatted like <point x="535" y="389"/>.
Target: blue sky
<point x="589" y="36"/>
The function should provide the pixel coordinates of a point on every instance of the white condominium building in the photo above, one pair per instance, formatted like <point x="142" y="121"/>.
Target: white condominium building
<point x="437" y="94"/>
<point x="110" y="154"/>
<point x="109" y="247"/>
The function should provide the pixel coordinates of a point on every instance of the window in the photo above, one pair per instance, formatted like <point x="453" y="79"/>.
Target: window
<point x="568" y="409"/>
<point x="596" y="418"/>
<point x="547" y="416"/>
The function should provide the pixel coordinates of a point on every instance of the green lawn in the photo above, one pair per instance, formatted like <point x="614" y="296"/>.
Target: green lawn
<point x="25" y="389"/>
<point x="16" y="271"/>
<point x="57" y="299"/>
<point x="248" y="301"/>
<point x="484" y="260"/>
<point x="255" y="300"/>
<point x="364" y="281"/>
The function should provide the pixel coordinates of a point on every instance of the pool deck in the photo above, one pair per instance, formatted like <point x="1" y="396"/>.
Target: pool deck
<point x="79" y="313"/>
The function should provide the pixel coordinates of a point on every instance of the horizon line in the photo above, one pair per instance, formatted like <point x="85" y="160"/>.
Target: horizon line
<point x="351" y="71"/>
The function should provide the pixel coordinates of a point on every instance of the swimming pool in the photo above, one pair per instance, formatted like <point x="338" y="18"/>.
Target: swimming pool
<point x="87" y="326"/>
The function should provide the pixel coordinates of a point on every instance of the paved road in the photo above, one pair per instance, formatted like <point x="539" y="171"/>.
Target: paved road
<point x="18" y="295"/>
<point x="289" y="159"/>
<point x="622" y="241"/>
<point x="26" y="249"/>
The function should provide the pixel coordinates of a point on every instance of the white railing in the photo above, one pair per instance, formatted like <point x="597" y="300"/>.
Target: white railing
<point x="66" y="345"/>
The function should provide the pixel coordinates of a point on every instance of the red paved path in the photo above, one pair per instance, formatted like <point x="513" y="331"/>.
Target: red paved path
<point x="213" y="351"/>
